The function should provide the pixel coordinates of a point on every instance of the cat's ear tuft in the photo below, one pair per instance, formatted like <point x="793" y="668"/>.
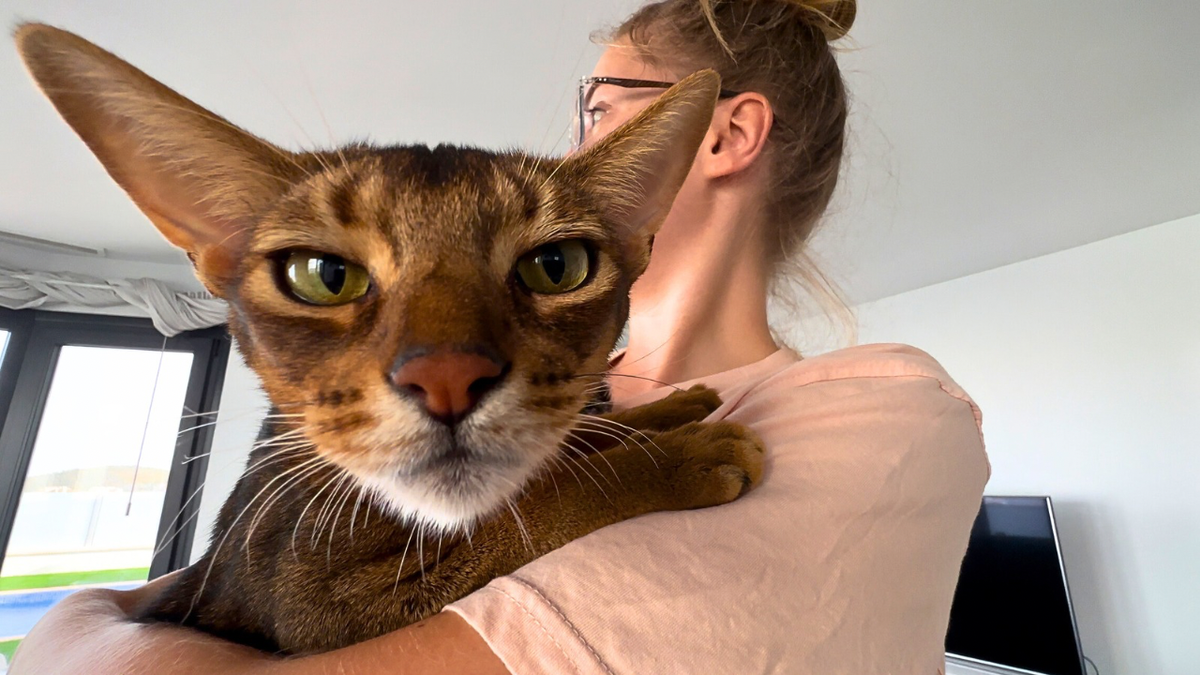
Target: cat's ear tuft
<point x="202" y="181"/>
<point x="636" y="171"/>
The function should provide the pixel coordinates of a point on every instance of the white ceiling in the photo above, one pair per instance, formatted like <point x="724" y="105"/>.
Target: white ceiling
<point x="983" y="133"/>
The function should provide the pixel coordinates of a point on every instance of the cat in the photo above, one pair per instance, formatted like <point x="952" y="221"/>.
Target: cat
<point x="428" y="324"/>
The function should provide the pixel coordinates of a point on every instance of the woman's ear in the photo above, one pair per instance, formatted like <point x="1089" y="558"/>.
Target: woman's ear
<point x="737" y="135"/>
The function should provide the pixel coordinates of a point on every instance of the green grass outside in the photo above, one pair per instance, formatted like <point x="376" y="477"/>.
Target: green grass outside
<point x="7" y="648"/>
<point x="71" y="579"/>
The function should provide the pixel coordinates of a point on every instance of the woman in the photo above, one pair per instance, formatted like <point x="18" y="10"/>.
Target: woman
<point x="843" y="560"/>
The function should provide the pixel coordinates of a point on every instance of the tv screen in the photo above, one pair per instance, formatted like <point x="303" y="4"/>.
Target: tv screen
<point x="1012" y="607"/>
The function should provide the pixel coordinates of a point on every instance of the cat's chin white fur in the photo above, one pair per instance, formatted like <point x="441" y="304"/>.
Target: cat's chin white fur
<point x="506" y="450"/>
<point x="430" y="503"/>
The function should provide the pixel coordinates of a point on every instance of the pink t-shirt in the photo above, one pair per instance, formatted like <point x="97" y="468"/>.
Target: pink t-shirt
<point x="843" y="560"/>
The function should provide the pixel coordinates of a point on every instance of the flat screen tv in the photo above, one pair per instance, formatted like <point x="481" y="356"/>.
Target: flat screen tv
<point x="1012" y="607"/>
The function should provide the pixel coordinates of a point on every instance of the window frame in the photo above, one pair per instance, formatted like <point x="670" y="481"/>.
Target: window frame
<point x="25" y="378"/>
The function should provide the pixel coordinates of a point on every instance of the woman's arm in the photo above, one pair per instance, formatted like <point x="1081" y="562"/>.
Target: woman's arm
<point x="442" y="644"/>
<point x="91" y="632"/>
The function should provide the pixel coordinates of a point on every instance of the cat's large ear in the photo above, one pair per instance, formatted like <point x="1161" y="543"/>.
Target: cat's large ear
<point x="637" y="170"/>
<point x="201" y="180"/>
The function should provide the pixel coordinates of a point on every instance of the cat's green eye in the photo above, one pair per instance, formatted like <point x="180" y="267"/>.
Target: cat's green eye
<point x="554" y="268"/>
<point x="324" y="278"/>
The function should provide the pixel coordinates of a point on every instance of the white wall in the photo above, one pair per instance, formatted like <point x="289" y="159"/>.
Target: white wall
<point x="242" y="408"/>
<point x="1086" y="364"/>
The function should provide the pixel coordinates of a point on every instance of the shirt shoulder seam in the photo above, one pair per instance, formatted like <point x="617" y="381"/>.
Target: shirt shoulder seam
<point x="567" y="622"/>
<point x="562" y="650"/>
<point x="953" y="393"/>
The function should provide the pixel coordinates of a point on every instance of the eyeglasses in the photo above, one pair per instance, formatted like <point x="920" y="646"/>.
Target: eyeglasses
<point x="585" y="115"/>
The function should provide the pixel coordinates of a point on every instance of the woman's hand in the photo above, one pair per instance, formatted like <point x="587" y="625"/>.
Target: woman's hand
<point x="92" y="632"/>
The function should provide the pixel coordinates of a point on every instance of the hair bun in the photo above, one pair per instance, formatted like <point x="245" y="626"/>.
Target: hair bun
<point x="833" y="17"/>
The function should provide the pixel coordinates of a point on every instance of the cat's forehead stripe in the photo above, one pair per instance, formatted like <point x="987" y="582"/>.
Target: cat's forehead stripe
<point x="341" y="200"/>
<point x="437" y="167"/>
<point x="521" y="183"/>
<point x="390" y="190"/>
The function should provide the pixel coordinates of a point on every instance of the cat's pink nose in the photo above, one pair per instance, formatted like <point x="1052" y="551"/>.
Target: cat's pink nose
<point x="448" y="383"/>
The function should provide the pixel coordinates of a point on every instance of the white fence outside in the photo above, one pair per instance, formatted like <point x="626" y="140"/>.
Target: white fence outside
<point x="80" y="531"/>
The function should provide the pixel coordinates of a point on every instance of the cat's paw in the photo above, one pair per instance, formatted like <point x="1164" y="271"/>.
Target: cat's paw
<point x="709" y="464"/>
<point x="691" y="405"/>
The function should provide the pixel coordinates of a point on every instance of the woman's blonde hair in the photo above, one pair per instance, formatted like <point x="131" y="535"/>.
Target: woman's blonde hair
<point x="780" y="49"/>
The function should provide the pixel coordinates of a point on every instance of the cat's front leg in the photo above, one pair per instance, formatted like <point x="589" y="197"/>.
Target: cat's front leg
<point x="693" y="466"/>
<point x="599" y="432"/>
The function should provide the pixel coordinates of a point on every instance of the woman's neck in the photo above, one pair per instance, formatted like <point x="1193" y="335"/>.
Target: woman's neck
<point x="700" y="309"/>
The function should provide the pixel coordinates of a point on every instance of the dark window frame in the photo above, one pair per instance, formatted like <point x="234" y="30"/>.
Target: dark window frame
<point x="25" y="377"/>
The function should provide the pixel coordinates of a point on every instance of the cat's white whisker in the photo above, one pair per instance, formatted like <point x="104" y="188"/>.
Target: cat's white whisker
<point x="630" y="377"/>
<point x="300" y="517"/>
<point x="312" y="469"/>
<point x="625" y="427"/>
<point x="403" y="556"/>
<point x="557" y="493"/>
<point x="591" y="426"/>
<point x="597" y="429"/>
<point x="284" y="445"/>
<point x="324" y="121"/>
<point x="326" y="515"/>
<point x="167" y="539"/>
<point x="280" y="436"/>
<point x="162" y="547"/>
<point x="357" y="503"/>
<point x="349" y="490"/>
<point x="198" y="414"/>
<point x="285" y="438"/>
<point x="278" y="458"/>
<point x="520" y="524"/>
<point x="274" y="499"/>
<point x="325" y="506"/>
<point x="276" y="455"/>
<point x="595" y="452"/>
<point x="558" y="461"/>
<point x="587" y="473"/>
<point x="583" y="458"/>
<point x="224" y="537"/>
<point x="551" y="176"/>
<point x="421" y="547"/>
<point x="285" y="448"/>
<point x="467" y="533"/>
<point x="224" y="417"/>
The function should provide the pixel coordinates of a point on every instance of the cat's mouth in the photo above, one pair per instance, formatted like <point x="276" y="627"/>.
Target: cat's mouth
<point x="455" y="461"/>
<point x="452" y="479"/>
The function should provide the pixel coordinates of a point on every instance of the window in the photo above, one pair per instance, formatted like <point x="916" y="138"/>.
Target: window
<point x="103" y="441"/>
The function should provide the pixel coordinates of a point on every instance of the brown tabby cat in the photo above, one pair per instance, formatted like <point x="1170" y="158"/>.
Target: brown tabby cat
<point x="428" y="324"/>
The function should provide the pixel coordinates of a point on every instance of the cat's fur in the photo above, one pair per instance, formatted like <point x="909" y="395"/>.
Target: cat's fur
<point x="359" y="513"/>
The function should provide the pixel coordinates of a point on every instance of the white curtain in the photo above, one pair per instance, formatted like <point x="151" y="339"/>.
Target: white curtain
<point x="172" y="312"/>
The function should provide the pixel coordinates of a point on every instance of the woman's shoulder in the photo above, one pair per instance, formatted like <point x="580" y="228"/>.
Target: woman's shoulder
<point x="875" y="366"/>
<point x="862" y="361"/>
<point x="863" y="404"/>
